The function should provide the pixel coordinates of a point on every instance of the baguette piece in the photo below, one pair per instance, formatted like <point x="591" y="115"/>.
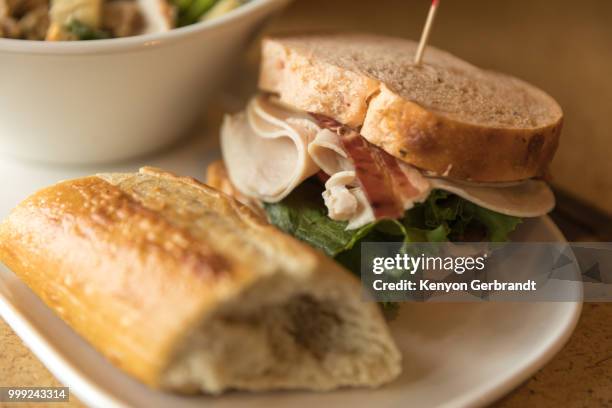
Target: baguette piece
<point x="186" y="289"/>
<point x="446" y="115"/>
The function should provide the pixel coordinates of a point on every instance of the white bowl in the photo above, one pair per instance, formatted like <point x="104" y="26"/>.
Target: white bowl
<point x="106" y="100"/>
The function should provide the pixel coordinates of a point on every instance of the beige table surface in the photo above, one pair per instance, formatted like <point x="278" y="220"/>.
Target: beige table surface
<point x="579" y="376"/>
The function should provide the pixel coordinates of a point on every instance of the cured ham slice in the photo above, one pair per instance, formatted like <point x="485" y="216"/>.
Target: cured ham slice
<point x="391" y="187"/>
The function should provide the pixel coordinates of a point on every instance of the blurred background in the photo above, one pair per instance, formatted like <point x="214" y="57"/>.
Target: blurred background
<point x="563" y="47"/>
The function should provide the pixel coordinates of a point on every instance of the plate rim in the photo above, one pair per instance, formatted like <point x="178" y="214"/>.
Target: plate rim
<point x="506" y="385"/>
<point x="91" y="394"/>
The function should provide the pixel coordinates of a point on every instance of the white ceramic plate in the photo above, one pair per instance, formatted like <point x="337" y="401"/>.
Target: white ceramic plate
<point x="455" y="355"/>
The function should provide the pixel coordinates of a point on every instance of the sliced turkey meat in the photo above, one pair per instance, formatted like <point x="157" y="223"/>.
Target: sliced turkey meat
<point x="270" y="149"/>
<point x="265" y="150"/>
<point x="529" y="198"/>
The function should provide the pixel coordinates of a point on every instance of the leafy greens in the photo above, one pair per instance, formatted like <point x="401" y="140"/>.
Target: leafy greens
<point x="442" y="217"/>
<point x="82" y="31"/>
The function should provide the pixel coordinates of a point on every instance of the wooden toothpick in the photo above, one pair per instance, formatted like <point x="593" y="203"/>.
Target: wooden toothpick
<point x="426" y="30"/>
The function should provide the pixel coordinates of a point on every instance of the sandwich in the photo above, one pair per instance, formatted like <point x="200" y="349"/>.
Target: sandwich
<point x="349" y="141"/>
<point x="188" y="290"/>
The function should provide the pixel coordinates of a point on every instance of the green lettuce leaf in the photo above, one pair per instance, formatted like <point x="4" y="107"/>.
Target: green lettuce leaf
<point x="462" y="217"/>
<point x="191" y="11"/>
<point x="303" y="214"/>
<point x="442" y="217"/>
<point x="83" y="32"/>
<point x="498" y="226"/>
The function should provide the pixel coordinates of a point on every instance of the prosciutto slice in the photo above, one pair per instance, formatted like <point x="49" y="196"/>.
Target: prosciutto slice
<point x="390" y="186"/>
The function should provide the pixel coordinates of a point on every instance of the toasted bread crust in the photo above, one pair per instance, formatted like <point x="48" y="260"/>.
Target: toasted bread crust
<point x="455" y="149"/>
<point x="476" y="125"/>
<point x="111" y="267"/>
<point x="138" y="262"/>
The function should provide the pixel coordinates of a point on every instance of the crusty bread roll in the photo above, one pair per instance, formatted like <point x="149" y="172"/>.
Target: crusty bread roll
<point x="187" y="290"/>
<point x="445" y="116"/>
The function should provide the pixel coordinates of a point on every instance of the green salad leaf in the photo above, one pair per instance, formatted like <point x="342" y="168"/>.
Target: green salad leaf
<point x="190" y="11"/>
<point x="303" y="214"/>
<point x="442" y="217"/>
<point x="84" y="32"/>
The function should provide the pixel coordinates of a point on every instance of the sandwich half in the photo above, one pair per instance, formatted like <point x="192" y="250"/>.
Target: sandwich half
<point x="349" y="141"/>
